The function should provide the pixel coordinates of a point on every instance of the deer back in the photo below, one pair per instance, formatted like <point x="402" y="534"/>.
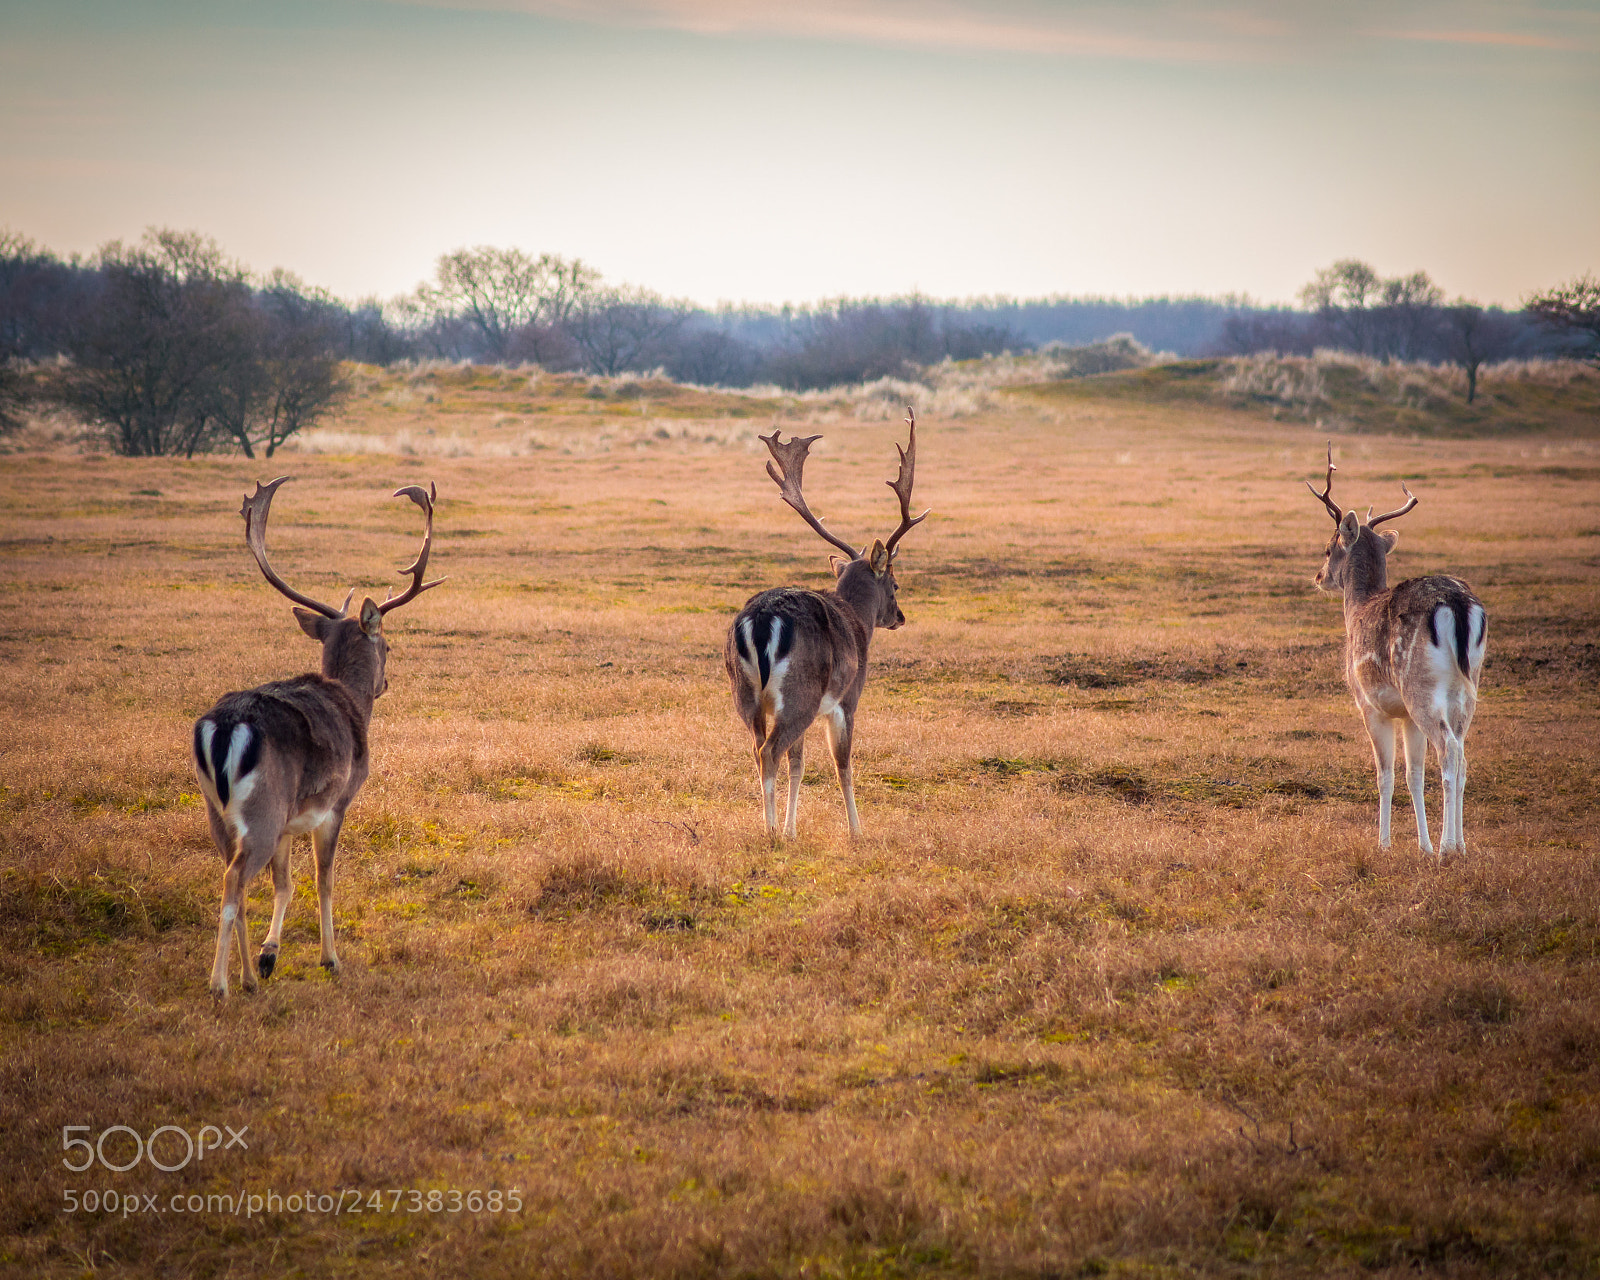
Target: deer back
<point x="1416" y="640"/>
<point x="797" y="638"/>
<point x="302" y="741"/>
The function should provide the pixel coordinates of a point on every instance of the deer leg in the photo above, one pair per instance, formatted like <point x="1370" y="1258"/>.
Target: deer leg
<point x="767" y="772"/>
<point x="1453" y="769"/>
<point x="232" y="907"/>
<point x="250" y="854"/>
<point x="281" y="893"/>
<point x="1416" y="783"/>
<point x="241" y="937"/>
<point x="836" y="724"/>
<point x="325" y="841"/>
<point x="248" y="858"/>
<point x="797" y="768"/>
<point x="766" y="763"/>
<point x="785" y="738"/>
<point x="1381" y="730"/>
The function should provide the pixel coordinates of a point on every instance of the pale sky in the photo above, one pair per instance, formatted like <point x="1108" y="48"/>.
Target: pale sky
<point x="794" y="150"/>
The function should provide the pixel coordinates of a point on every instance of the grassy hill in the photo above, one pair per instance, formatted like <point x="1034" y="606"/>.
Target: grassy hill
<point x="1339" y="393"/>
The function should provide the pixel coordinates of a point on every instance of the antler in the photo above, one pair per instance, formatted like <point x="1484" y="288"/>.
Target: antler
<point x="791" y="460"/>
<point x="902" y="484"/>
<point x="425" y="499"/>
<point x="254" y="511"/>
<point x="1333" y="507"/>
<point x="1373" y="523"/>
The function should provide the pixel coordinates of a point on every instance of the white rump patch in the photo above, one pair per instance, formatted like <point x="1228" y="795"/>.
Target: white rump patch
<point x="1476" y="628"/>
<point x="1443" y="655"/>
<point x="776" y="670"/>
<point x="208" y="731"/>
<point x="752" y="673"/>
<point x="239" y="789"/>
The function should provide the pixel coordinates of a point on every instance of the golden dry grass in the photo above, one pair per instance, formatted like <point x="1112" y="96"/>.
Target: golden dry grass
<point x="1117" y="981"/>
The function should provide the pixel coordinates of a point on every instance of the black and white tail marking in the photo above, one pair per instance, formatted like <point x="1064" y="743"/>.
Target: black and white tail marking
<point x="225" y="758"/>
<point x="1463" y="608"/>
<point x="764" y="641"/>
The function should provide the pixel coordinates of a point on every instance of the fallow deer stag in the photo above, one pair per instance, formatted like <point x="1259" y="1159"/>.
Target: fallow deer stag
<point x="288" y="757"/>
<point x="793" y="654"/>
<point x="1413" y="654"/>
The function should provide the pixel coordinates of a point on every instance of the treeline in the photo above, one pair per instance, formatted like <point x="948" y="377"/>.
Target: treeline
<point x="165" y="346"/>
<point x="1350" y="307"/>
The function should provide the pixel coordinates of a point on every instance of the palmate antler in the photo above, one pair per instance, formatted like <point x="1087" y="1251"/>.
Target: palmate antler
<point x="1333" y="507"/>
<point x="790" y="458"/>
<point x="424" y="498"/>
<point x="788" y="466"/>
<point x="903" y="482"/>
<point x="256" y="509"/>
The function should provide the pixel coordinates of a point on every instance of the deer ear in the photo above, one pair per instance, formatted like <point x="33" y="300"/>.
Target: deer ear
<point x="878" y="558"/>
<point x="371" y="619"/>
<point x="1349" y="529"/>
<point x="313" y="624"/>
<point x="1388" y="538"/>
<point x="839" y="564"/>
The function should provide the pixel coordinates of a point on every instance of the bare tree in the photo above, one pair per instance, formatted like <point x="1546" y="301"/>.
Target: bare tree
<point x="34" y="285"/>
<point x="1472" y="336"/>
<point x="712" y="358"/>
<point x="1347" y="283"/>
<point x="626" y="328"/>
<point x="149" y="352"/>
<point x="1574" y="308"/>
<point x="1342" y="297"/>
<point x="1410" y="307"/>
<point x="498" y="292"/>
<point x="285" y="375"/>
<point x="179" y="354"/>
<point x="1361" y="311"/>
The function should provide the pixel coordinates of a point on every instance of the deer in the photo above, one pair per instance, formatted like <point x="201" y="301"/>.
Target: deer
<point x="288" y="757"/>
<point x="1413" y="654"/>
<point x="793" y="654"/>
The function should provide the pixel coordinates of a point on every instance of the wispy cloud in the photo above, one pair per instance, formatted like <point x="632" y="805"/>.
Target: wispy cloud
<point x="1095" y="32"/>
<point x="1143" y="30"/>
<point x="1510" y="39"/>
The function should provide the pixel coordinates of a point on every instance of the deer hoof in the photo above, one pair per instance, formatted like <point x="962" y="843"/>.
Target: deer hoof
<point x="331" y="964"/>
<point x="267" y="962"/>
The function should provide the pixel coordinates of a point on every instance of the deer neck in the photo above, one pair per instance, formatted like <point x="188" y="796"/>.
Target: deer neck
<point x="352" y="661"/>
<point x="861" y="592"/>
<point x="1366" y="573"/>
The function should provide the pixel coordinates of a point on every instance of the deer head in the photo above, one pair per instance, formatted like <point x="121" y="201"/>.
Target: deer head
<point x="354" y="650"/>
<point x="865" y="577"/>
<point x="1356" y="553"/>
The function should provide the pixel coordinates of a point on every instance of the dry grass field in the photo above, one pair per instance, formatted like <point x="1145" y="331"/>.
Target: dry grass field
<point x="1116" y="983"/>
